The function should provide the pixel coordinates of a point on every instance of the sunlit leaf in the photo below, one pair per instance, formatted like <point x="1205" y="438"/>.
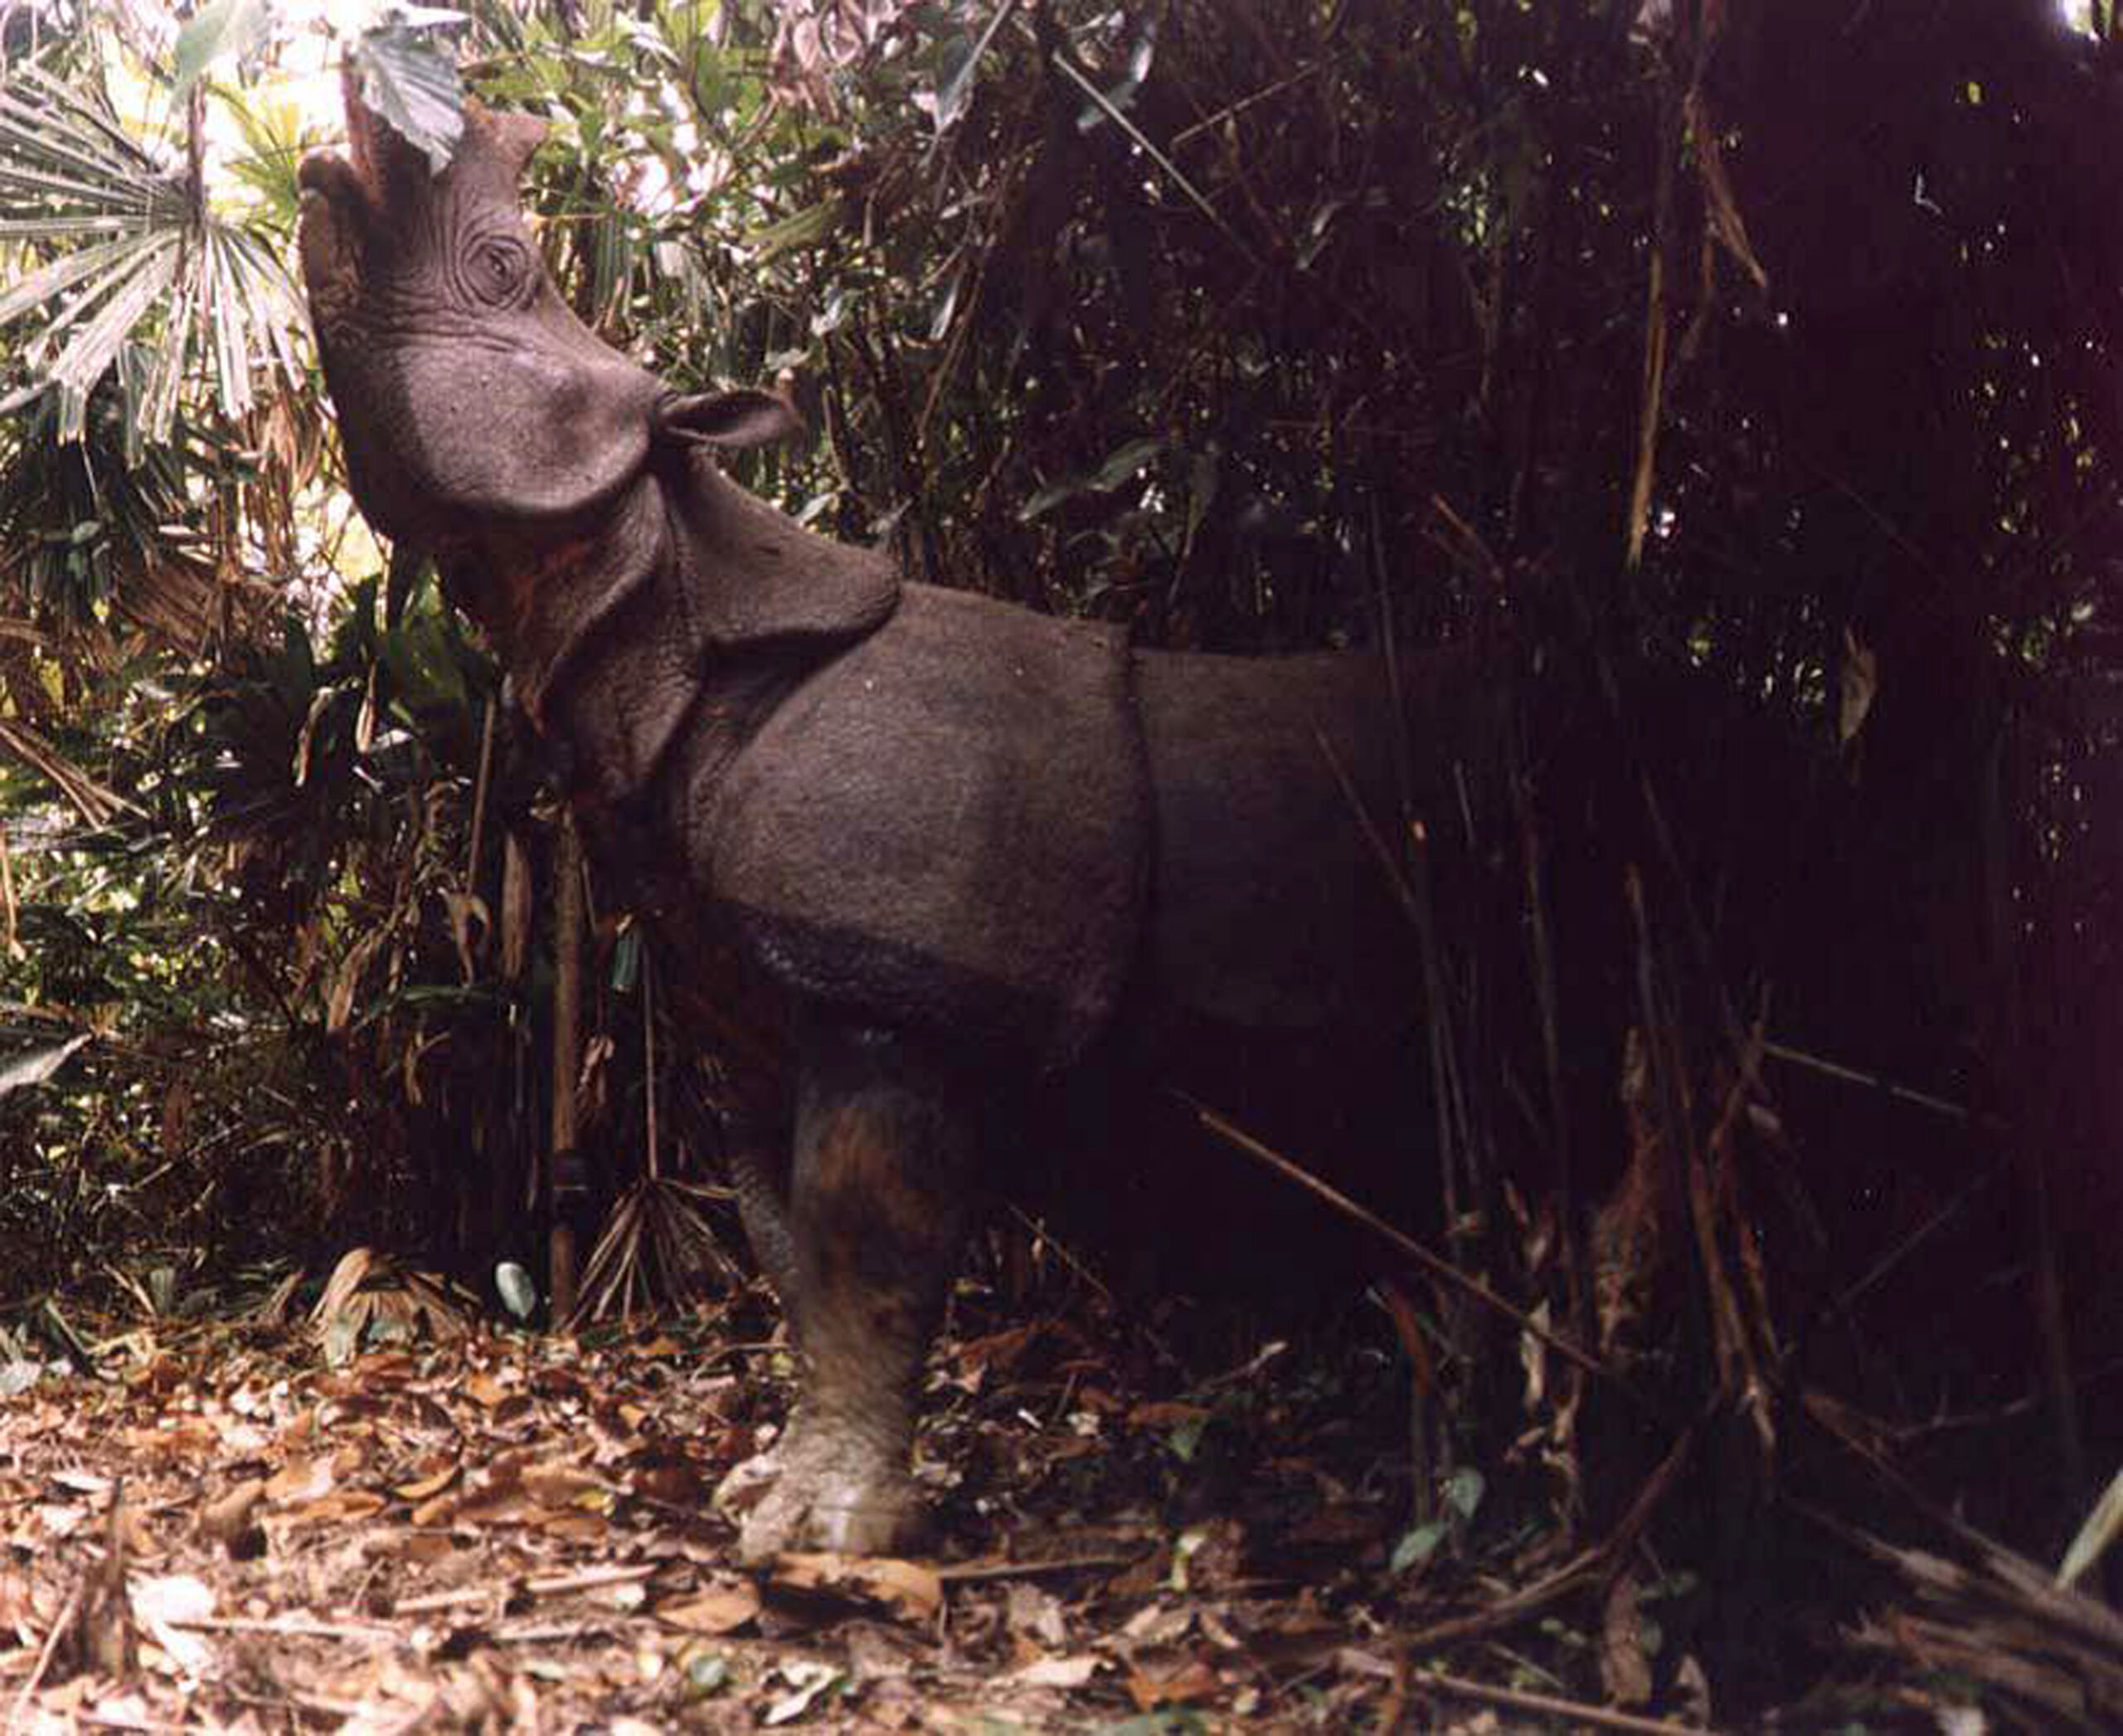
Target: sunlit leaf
<point x="1416" y="1546"/>
<point x="805" y="228"/>
<point x="515" y="1289"/>
<point x="223" y="28"/>
<point x="1463" y="1489"/>
<point x="414" y="85"/>
<point x="1125" y="464"/>
<point x="158" y="266"/>
<point x="39" y="1064"/>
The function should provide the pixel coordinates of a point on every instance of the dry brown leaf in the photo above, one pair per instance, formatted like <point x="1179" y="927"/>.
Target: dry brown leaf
<point x="231" y="1515"/>
<point x="718" y="1610"/>
<point x="500" y="1507"/>
<point x="336" y="1508"/>
<point x="1858" y="683"/>
<point x="905" y="1589"/>
<point x="421" y="1488"/>
<point x="559" y="1483"/>
<point x="1625" y="1670"/>
<point x="1071" y="1672"/>
<point x="345" y="1280"/>
<point x="588" y="1528"/>
<point x="1191" y="1680"/>
<point x="301" y="1479"/>
<point x="483" y="1389"/>
<point x="515" y="906"/>
<point x="1167" y="1413"/>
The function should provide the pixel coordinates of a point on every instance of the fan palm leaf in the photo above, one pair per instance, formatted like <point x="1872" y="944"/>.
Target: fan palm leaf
<point x="127" y="240"/>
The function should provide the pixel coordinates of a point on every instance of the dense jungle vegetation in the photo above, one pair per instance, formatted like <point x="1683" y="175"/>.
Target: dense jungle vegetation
<point x="1745" y="376"/>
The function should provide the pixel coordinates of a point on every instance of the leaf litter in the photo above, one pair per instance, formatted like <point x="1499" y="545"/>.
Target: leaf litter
<point x="258" y="1526"/>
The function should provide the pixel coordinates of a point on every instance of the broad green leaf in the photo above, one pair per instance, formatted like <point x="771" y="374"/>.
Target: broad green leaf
<point x="939" y="323"/>
<point x="414" y="85"/>
<point x="626" y="962"/>
<point x="424" y="674"/>
<point x="1185" y="1440"/>
<point x="225" y="28"/>
<point x="1047" y="499"/>
<point x="1202" y="474"/>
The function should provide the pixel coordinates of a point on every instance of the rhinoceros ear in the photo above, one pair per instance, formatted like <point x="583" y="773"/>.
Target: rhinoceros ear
<point x="335" y="219"/>
<point x="742" y="418"/>
<point x="506" y="139"/>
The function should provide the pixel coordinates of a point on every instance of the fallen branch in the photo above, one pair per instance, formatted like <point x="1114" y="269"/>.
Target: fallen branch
<point x="1436" y="1265"/>
<point x="1577" y="1711"/>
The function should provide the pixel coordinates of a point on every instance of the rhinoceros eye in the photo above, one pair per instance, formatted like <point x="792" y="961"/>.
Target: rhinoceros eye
<point x="497" y="270"/>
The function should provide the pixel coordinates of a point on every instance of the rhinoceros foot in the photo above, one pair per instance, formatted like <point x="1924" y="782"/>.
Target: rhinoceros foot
<point x="814" y="1491"/>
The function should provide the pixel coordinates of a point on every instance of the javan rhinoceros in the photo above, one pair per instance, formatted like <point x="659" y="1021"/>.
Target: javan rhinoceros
<point x="957" y="839"/>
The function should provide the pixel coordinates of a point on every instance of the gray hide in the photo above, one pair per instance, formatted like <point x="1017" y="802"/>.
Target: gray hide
<point x="947" y="832"/>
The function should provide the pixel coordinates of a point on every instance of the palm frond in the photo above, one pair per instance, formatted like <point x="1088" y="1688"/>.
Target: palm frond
<point x="137" y="249"/>
<point x="67" y="165"/>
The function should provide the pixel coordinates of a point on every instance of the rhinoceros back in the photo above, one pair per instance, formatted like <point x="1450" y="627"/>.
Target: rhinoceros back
<point x="947" y="825"/>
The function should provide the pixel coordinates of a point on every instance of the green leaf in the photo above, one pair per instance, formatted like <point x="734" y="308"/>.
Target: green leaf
<point x="424" y="675"/>
<point x="39" y="1064"/>
<point x="1185" y="1440"/>
<point x="1121" y="466"/>
<point x="2095" y="1534"/>
<point x="626" y="962"/>
<point x="1417" y="1546"/>
<point x="1463" y="1489"/>
<point x="226" y="27"/>
<point x="805" y="228"/>
<point x="414" y="85"/>
<point x="939" y="323"/>
<point x="112" y="259"/>
<point x="514" y="1286"/>
<point x="1047" y="499"/>
<point x="1202" y="474"/>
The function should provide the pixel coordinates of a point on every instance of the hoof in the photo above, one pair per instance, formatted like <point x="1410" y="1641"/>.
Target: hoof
<point x="803" y="1495"/>
<point x="843" y="1523"/>
<point x="747" y="1483"/>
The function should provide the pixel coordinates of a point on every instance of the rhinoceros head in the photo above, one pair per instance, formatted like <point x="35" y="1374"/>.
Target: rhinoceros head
<point x="469" y="393"/>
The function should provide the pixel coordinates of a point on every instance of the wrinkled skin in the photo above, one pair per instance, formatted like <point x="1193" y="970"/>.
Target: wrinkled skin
<point x="956" y="840"/>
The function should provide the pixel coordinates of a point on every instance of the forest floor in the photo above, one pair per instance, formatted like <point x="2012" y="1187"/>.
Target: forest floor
<point x="259" y="1524"/>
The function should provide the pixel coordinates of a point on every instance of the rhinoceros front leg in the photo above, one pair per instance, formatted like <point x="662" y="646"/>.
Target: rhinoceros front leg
<point x="758" y="1161"/>
<point x="867" y="1243"/>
